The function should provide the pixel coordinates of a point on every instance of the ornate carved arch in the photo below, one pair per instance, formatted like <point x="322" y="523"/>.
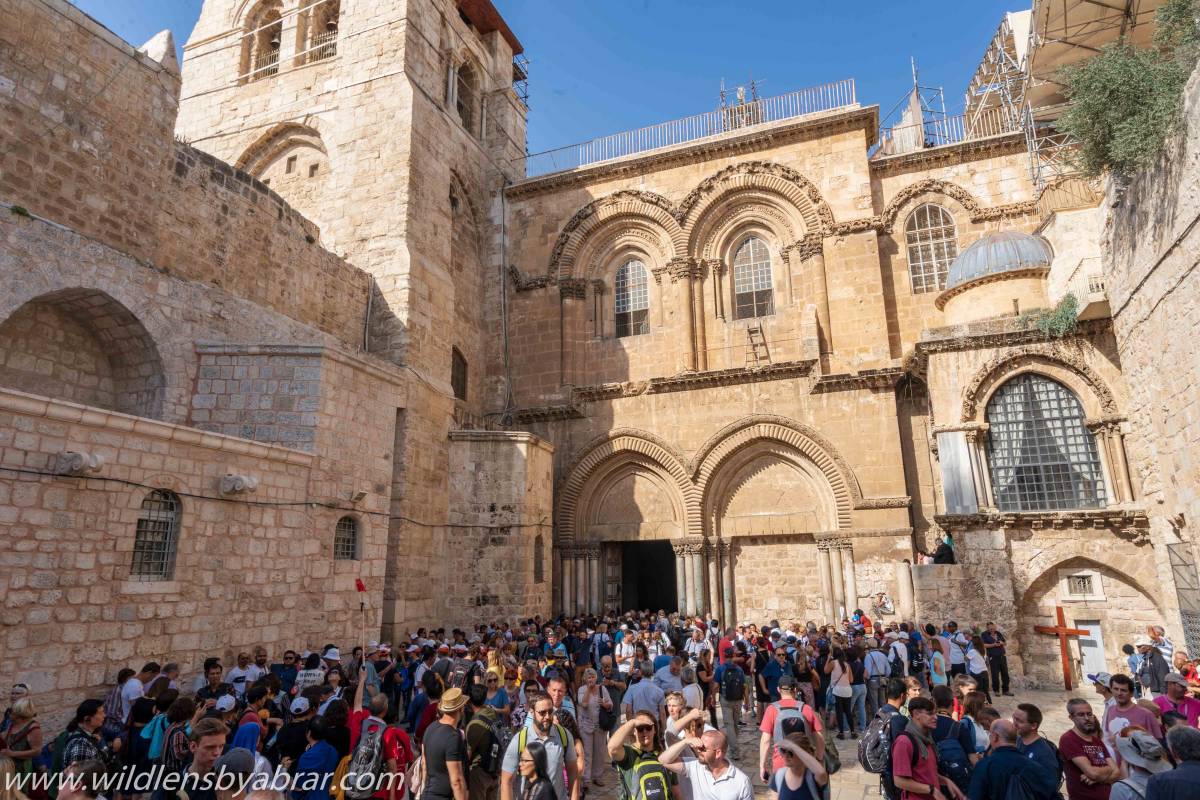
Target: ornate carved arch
<point x="277" y="139"/>
<point x="975" y="211"/>
<point x="737" y="211"/>
<point x="764" y="176"/>
<point x="797" y="436"/>
<point x="1055" y="362"/>
<point x="627" y="203"/>
<point x="616" y="235"/>
<point x="624" y="444"/>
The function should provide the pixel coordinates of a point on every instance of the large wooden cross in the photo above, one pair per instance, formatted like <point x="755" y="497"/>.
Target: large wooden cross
<point x="1062" y="632"/>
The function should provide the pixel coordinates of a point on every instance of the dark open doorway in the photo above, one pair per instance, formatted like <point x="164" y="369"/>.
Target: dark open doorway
<point x="648" y="575"/>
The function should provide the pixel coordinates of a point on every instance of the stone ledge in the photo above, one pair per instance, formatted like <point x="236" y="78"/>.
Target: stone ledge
<point x="64" y="411"/>
<point x="363" y="362"/>
<point x="516" y="437"/>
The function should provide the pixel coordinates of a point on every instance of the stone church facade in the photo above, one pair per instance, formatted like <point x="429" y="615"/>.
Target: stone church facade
<point x="303" y="312"/>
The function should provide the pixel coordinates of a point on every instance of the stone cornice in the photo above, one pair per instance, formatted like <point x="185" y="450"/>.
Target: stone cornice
<point x="525" y="416"/>
<point x="91" y="416"/>
<point x="1001" y="332"/>
<point x="1128" y="523"/>
<point x="722" y="146"/>
<point x="884" y="378"/>
<point x="693" y="380"/>
<point x="901" y="501"/>
<point x="926" y="157"/>
<point x="517" y="437"/>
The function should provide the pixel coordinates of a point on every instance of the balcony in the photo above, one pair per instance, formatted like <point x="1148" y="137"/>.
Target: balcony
<point x="943" y="131"/>
<point x="739" y="117"/>
<point x="1086" y="282"/>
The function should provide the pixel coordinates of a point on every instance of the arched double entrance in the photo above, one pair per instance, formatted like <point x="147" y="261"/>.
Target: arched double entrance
<point x="639" y="525"/>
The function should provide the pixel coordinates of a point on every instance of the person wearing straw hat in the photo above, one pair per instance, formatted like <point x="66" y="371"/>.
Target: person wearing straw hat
<point x="1144" y="758"/>
<point x="444" y="751"/>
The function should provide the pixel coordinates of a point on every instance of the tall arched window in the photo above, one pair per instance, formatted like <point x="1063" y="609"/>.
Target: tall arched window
<point x="260" y="43"/>
<point x="1041" y="455"/>
<point x="156" y="537"/>
<point x="932" y="246"/>
<point x="752" y="292"/>
<point x="631" y="299"/>
<point x="345" y="539"/>
<point x="321" y="29"/>
<point x="466" y="96"/>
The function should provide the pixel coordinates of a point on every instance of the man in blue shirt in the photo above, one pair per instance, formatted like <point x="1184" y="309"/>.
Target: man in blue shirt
<point x="992" y="775"/>
<point x="1027" y="720"/>
<point x="1183" y="782"/>
<point x="772" y="672"/>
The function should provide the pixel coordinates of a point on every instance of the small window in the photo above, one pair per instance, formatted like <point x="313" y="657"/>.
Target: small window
<point x="752" y="292"/>
<point x="539" y="559"/>
<point x="1080" y="585"/>
<point x="345" y="540"/>
<point x="632" y="299"/>
<point x="155" y="539"/>
<point x="312" y="170"/>
<point x="458" y="373"/>
<point x="932" y="247"/>
<point x="466" y="96"/>
<point x="291" y="165"/>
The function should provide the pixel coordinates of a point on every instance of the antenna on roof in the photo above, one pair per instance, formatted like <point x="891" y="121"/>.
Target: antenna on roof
<point x="722" y="92"/>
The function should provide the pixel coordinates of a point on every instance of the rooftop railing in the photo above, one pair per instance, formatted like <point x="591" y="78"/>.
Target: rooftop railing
<point x="829" y="97"/>
<point x="943" y="131"/>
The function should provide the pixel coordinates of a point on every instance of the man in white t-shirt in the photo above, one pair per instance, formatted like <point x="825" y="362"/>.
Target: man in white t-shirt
<point x="956" y="644"/>
<point x="135" y="687"/>
<point x="239" y="677"/>
<point x="711" y="776"/>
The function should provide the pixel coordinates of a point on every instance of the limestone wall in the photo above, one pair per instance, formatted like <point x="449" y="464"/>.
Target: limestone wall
<point x="1152" y="249"/>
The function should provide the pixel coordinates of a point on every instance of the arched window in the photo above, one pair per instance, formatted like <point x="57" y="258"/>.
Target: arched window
<point x="632" y="299"/>
<point x="1042" y="458"/>
<point x="466" y="96"/>
<point x="932" y="246"/>
<point x="156" y="537"/>
<point x="322" y="30"/>
<point x="539" y="559"/>
<point x="752" y="293"/>
<point x="260" y="43"/>
<point x="345" y="539"/>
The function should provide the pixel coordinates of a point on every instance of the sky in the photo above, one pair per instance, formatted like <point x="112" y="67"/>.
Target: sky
<point x="604" y="66"/>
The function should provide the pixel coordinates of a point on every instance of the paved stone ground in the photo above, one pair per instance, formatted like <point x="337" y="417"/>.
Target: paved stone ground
<point x="851" y="782"/>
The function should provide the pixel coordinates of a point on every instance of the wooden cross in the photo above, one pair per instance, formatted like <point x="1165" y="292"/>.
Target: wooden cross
<point x="1062" y="632"/>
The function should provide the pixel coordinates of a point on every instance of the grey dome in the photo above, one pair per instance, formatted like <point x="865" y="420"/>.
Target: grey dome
<point x="1005" y="251"/>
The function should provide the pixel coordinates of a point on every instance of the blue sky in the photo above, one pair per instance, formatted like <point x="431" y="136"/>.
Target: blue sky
<point x="604" y="66"/>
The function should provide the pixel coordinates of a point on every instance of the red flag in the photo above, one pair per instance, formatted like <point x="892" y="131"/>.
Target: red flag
<point x="358" y="584"/>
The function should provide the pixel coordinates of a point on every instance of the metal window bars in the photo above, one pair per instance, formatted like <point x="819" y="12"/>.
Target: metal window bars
<point x="827" y="97"/>
<point x="932" y="246"/>
<point x="631" y="299"/>
<point x="323" y="45"/>
<point x="345" y="540"/>
<point x="154" y="540"/>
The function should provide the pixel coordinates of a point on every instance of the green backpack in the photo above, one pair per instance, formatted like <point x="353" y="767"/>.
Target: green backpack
<point x="648" y="780"/>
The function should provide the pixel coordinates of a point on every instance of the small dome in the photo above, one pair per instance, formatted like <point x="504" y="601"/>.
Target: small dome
<point x="1005" y="251"/>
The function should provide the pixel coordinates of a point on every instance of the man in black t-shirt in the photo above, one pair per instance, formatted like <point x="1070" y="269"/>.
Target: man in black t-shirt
<point x="994" y="643"/>
<point x="445" y="751"/>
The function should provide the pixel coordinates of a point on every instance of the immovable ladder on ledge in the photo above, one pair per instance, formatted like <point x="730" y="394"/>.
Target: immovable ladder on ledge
<point x="757" y="354"/>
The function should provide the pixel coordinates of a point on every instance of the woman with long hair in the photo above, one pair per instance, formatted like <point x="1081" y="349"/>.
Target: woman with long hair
<point x="937" y="663"/>
<point x="977" y="666"/>
<point x="806" y="678"/>
<point x="708" y="688"/>
<point x="535" y="773"/>
<point x="311" y="674"/>
<point x="8" y="780"/>
<point x="24" y="736"/>
<point x="838" y="670"/>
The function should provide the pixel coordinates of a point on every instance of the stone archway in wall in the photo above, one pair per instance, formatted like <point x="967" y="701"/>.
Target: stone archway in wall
<point x="293" y="160"/>
<point x="83" y="346"/>
<point x="772" y="488"/>
<point x="1089" y="592"/>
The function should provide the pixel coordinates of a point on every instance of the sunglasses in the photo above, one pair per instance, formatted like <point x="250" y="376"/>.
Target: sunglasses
<point x="644" y="728"/>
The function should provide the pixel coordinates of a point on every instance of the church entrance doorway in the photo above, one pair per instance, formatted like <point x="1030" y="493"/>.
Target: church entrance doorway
<point x="648" y="575"/>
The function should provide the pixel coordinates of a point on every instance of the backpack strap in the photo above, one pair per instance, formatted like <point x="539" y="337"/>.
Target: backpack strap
<point x="1132" y="788"/>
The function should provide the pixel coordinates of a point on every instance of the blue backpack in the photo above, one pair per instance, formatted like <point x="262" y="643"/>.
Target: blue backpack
<point x="952" y="759"/>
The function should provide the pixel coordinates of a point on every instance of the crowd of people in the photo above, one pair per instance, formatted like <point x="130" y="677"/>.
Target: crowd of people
<point x="546" y="709"/>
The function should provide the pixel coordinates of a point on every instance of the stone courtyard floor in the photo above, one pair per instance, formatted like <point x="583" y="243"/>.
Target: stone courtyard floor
<point x="851" y="782"/>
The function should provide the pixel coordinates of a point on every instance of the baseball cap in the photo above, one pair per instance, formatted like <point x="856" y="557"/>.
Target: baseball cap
<point x="1103" y="678"/>
<point x="238" y="761"/>
<point x="225" y="703"/>
<point x="300" y="705"/>
<point x="787" y="682"/>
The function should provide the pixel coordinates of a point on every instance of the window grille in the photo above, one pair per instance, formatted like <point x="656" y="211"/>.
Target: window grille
<point x="632" y="299"/>
<point x="266" y="63"/>
<point x="345" y="540"/>
<point x="1042" y="457"/>
<point x="932" y="247"/>
<point x="752" y="293"/>
<point x="458" y="373"/>
<point x="465" y="98"/>
<point x="156" y="536"/>
<point x="1080" y="585"/>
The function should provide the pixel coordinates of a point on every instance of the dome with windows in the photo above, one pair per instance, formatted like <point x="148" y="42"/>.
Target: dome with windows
<point x="1002" y="274"/>
<point x="995" y="253"/>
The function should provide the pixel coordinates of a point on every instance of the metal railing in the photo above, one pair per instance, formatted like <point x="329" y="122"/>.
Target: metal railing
<point x="1086" y="279"/>
<point x="324" y="45"/>
<point x="943" y="131"/>
<point x="828" y="97"/>
<point x="266" y="63"/>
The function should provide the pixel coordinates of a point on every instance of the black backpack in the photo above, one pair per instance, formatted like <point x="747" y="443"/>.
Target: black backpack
<point x="733" y="683"/>
<point x="953" y="760"/>
<point x="896" y="663"/>
<point x="460" y="668"/>
<point x="491" y="754"/>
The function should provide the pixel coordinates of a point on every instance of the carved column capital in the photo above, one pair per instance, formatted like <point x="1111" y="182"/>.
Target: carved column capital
<point x="714" y="265"/>
<point x="807" y="247"/>
<point x="598" y="287"/>
<point x="724" y="547"/>
<point x="572" y="288"/>
<point x="680" y="268"/>
<point x="591" y="552"/>
<point x="680" y="548"/>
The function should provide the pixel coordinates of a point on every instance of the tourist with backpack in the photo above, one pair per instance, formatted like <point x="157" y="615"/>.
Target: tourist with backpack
<point x="1027" y="718"/>
<point x="642" y="775"/>
<point x="803" y="776"/>
<point x="1005" y="774"/>
<point x="376" y="749"/>
<point x="81" y="741"/>
<point x="915" y="758"/>
<point x="731" y="679"/>
<point x="487" y="736"/>
<point x="879" y="671"/>
<point x="711" y="775"/>
<point x="875" y="746"/>
<point x="954" y="741"/>
<point x="561" y="761"/>
<point x="787" y="715"/>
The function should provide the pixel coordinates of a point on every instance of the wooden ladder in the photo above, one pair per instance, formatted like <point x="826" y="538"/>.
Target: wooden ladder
<point x="757" y="354"/>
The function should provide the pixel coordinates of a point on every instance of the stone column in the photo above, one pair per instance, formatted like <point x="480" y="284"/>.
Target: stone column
<point x="904" y="591"/>
<point x="581" y="580"/>
<point x="976" y="445"/>
<point x="822" y="290"/>
<point x="726" y="550"/>
<point x="681" y="271"/>
<point x="851" y="578"/>
<point x="680" y="576"/>
<point x="714" y="580"/>
<point x="839" y="583"/>
<point x="696" y="554"/>
<point x="567" y="556"/>
<point x="826" y="573"/>
<point x="597" y="575"/>
<point x="684" y="567"/>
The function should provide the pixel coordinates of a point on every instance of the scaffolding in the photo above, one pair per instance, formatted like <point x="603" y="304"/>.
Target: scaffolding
<point x="999" y="81"/>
